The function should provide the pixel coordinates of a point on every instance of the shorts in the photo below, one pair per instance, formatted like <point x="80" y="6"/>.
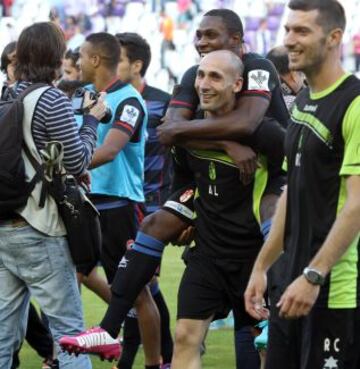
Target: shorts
<point x="118" y="226"/>
<point x="211" y="287"/>
<point x="325" y="339"/>
<point x="181" y="204"/>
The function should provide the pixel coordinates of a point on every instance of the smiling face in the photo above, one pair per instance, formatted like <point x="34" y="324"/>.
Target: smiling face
<point x="306" y="41"/>
<point x="216" y="83"/>
<point x="212" y="35"/>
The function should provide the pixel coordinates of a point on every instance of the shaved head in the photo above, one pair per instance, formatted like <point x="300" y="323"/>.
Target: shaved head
<point x="228" y="61"/>
<point x="218" y="80"/>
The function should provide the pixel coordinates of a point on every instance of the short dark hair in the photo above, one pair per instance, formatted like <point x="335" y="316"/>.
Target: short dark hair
<point x="73" y="55"/>
<point x="280" y="58"/>
<point x="230" y="19"/>
<point x="107" y="46"/>
<point x="137" y="48"/>
<point x="39" y="52"/>
<point x="331" y="12"/>
<point x="5" y="61"/>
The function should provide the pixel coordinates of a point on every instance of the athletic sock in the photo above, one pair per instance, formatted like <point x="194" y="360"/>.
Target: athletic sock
<point x="136" y="269"/>
<point x="131" y="342"/>
<point x="246" y="354"/>
<point x="166" y="339"/>
<point x="152" y="366"/>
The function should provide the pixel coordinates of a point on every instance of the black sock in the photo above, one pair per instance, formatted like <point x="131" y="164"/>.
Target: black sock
<point x="136" y="269"/>
<point x="246" y="354"/>
<point x="152" y="366"/>
<point x="131" y="343"/>
<point x="166" y="339"/>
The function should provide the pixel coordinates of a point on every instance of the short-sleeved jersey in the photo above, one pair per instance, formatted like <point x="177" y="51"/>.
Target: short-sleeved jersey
<point x="322" y="146"/>
<point x="158" y="163"/>
<point x="260" y="79"/>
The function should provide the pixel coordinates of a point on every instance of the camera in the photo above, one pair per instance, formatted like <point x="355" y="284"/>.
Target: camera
<point x="78" y="99"/>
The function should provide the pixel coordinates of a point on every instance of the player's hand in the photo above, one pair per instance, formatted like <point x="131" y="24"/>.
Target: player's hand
<point x="298" y="299"/>
<point x="166" y="132"/>
<point x="254" y="295"/>
<point x="186" y="237"/>
<point x="244" y="158"/>
<point x="97" y="109"/>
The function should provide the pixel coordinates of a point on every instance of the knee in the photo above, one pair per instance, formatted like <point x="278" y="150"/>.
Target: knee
<point x="187" y="336"/>
<point x="150" y="223"/>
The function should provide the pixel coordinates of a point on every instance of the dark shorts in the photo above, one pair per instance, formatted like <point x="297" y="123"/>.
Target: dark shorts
<point x="118" y="227"/>
<point x="181" y="204"/>
<point x="212" y="287"/>
<point x="326" y="339"/>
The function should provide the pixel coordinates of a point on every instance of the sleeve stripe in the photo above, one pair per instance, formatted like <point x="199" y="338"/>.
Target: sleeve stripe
<point x="124" y="125"/>
<point x="256" y="92"/>
<point x="182" y="103"/>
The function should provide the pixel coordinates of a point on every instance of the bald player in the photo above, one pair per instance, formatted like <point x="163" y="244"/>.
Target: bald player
<point x="228" y="235"/>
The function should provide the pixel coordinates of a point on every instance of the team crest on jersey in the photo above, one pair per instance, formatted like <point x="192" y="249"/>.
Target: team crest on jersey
<point x="331" y="363"/>
<point x="258" y="79"/>
<point x="212" y="171"/>
<point x="188" y="194"/>
<point x="130" y="115"/>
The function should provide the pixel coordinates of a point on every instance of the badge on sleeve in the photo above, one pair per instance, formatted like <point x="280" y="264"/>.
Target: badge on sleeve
<point x="258" y="79"/>
<point x="129" y="115"/>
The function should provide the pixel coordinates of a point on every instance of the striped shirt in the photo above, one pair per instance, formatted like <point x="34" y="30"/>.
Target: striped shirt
<point x="54" y="120"/>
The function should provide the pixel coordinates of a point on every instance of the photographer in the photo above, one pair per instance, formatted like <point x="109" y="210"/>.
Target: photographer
<point x="34" y="254"/>
<point x="117" y="182"/>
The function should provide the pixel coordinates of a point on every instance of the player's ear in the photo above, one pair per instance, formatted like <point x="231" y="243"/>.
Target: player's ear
<point x="137" y="66"/>
<point x="238" y="84"/>
<point x="335" y="37"/>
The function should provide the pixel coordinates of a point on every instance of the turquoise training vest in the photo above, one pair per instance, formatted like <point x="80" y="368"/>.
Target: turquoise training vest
<point x="124" y="176"/>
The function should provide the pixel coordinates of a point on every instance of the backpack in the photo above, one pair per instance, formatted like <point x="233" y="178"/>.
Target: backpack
<point x="14" y="189"/>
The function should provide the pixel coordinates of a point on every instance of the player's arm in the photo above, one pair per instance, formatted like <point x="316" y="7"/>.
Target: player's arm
<point x="300" y="295"/>
<point x="129" y="117"/>
<point x="345" y="229"/>
<point x="347" y="224"/>
<point x="269" y="253"/>
<point x="241" y="122"/>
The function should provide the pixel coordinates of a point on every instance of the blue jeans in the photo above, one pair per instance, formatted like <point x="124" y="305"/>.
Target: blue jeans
<point x="36" y="265"/>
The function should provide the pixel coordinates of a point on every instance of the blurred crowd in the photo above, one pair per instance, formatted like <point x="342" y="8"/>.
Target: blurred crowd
<point x="167" y="25"/>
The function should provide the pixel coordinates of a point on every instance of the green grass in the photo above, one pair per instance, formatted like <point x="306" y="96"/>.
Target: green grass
<point x="219" y="344"/>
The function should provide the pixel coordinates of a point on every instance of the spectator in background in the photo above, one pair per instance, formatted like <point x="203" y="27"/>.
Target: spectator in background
<point x="8" y="64"/>
<point x="263" y="38"/>
<point x="356" y="50"/>
<point x="71" y="71"/>
<point x="167" y="30"/>
<point x="292" y="81"/>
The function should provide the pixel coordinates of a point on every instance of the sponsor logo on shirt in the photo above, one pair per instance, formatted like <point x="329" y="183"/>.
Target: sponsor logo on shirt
<point x="258" y="79"/>
<point x="130" y="115"/>
<point x="310" y="108"/>
<point x="186" y="195"/>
